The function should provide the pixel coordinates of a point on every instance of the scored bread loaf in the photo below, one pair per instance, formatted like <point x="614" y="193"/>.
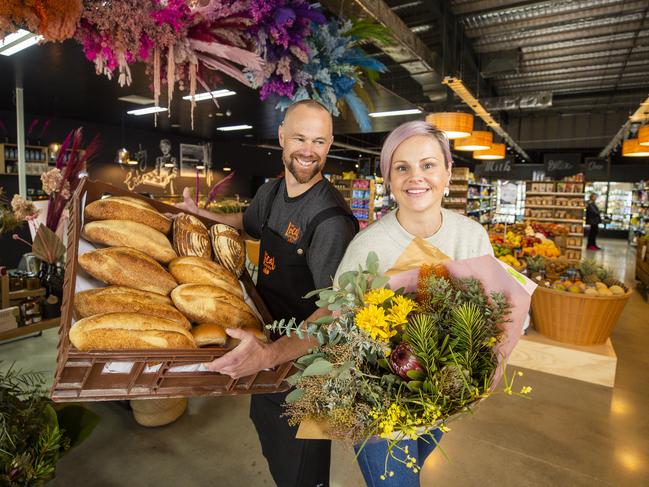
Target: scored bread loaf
<point x="127" y="267"/>
<point x="209" y="334"/>
<point x="118" y="331"/>
<point x="143" y="296"/>
<point x="126" y="233"/>
<point x="191" y="237"/>
<point x="196" y="270"/>
<point x="210" y="304"/>
<point x="127" y="208"/>
<point x="229" y="248"/>
<point x="89" y="303"/>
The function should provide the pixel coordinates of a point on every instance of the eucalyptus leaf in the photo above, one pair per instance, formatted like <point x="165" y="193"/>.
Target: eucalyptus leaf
<point x="324" y="320"/>
<point x="345" y="279"/>
<point x="294" y="396"/>
<point x="294" y="379"/>
<point x="334" y="307"/>
<point x="379" y="282"/>
<point x="313" y="293"/>
<point x="319" y="367"/>
<point x="322" y="303"/>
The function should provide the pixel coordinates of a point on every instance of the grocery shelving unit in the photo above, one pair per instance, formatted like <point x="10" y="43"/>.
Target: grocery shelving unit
<point x="458" y="191"/>
<point x="558" y="202"/>
<point x="639" y="218"/>
<point x="36" y="159"/>
<point x="360" y="196"/>
<point x="481" y="201"/>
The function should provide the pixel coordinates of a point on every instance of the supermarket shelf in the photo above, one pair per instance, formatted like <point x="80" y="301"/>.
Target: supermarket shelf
<point x="481" y="185"/>
<point x="543" y="193"/>
<point x="26" y="293"/>
<point x="26" y="330"/>
<point x="573" y="247"/>
<point x="479" y="210"/>
<point x="556" y="207"/>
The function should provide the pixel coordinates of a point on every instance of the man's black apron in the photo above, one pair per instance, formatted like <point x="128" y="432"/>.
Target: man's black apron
<point x="283" y="279"/>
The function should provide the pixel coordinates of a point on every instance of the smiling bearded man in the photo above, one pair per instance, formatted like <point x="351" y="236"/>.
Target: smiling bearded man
<point x="304" y="226"/>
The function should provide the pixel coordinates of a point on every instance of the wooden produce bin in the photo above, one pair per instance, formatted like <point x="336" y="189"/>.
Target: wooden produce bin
<point x="577" y="319"/>
<point x="84" y="376"/>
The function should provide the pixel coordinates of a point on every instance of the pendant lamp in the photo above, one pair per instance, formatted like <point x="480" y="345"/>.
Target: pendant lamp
<point x="497" y="151"/>
<point x="643" y="136"/>
<point x="631" y="148"/>
<point x="455" y="125"/>
<point x="478" y="140"/>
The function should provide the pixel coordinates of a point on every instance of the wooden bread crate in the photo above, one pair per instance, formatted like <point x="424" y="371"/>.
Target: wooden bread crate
<point x="81" y="376"/>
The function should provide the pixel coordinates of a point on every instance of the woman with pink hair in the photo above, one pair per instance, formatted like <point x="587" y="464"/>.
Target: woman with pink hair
<point x="416" y="167"/>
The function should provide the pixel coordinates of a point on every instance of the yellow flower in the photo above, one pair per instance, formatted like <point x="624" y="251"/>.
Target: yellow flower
<point x="372" y="320"/>
<point x="400" y="309"/>
<point x="378" y="296"/>
<point x="526" y="390"/>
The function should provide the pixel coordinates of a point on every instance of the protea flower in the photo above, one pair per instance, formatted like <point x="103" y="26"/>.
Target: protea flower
<point x="403" y="360"/>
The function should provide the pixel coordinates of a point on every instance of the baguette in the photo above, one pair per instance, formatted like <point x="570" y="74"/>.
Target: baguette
<point x="118" y="331"/>
<point x="191" y="237"/>
<point x="127" y="208"/>
<point x="195" y="270"/>
<point x="229" y="248"/>
<point x="210" y="304"/>
<point x="123" y="266"/>
<point x="125" y="233"/>
<point x="209" y="334"/>
<point x="89" y="303"/>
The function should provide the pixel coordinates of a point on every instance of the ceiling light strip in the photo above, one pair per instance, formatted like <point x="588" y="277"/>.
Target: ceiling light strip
<point x="460" y="90"/>
<point x="639" y="116"/>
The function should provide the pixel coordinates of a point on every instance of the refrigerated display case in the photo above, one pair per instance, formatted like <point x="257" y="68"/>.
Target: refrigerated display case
<point x="614" y="202"/>
<point x="510" y="201"/>
<point x="639" y="223"/>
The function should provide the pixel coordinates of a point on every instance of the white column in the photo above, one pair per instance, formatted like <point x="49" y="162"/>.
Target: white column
<point x="20" y="130"/>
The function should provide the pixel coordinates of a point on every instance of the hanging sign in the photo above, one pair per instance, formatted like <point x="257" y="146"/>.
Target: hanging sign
<point x="596" y="168"/>
<point x="560" y="165"/>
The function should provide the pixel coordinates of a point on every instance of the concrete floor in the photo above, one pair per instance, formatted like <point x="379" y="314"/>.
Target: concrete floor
<point x="570" y="433"/>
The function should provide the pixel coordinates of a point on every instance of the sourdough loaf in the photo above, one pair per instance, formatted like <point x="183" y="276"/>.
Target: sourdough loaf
<point x="229" y="248"/>
<point x="191" y="237"/>
<point x="209" y="334"/>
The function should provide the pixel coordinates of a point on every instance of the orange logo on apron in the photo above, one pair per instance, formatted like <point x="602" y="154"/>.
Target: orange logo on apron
<point x="292" y="233"/>
<point x="269" y="264"/>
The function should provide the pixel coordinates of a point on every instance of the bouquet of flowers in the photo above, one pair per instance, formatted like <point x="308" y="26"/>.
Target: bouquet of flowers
<point x="395" y="364"/>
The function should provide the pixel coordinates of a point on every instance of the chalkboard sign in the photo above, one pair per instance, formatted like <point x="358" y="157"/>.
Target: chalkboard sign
<point x="560" y="165"/>
<point x="596" y="168"/>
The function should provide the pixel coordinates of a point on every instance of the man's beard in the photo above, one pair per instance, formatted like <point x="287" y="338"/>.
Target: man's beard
<point x="302" y="174"/>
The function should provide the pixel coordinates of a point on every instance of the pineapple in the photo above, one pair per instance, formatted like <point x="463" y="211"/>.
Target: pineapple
<point x="535" y="265"/>
<point x="589" y="270"/>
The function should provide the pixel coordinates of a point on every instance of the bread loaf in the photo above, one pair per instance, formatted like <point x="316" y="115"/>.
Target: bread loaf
<point x="125" y="233"/>
<point x="127" y="267"/>
<point x="143" y="296"/>
<point x="209" y="334"/>
<point x="89" y="303"/>
<point x="191" y="237"/>
<point x="259" y="334"/>
<point x="117" y="331"/>
<point x="229" y="248"/>
<point x="209" y="304"/>
<point x="196" y="270"/>
<point x="127" y="208"/>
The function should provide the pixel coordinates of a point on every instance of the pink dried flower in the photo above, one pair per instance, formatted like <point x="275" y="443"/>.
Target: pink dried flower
<point x="51" y="181"/>
<point x="23" y="209"/>
<point x="65" y="191"/>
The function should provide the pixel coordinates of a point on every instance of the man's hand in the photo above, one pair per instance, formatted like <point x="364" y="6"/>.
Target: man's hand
<point x="249" y="357"/>
<point x="188" y="203"/>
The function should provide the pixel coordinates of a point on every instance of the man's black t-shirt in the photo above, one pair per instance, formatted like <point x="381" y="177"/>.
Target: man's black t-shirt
<point x="290" y="217"/>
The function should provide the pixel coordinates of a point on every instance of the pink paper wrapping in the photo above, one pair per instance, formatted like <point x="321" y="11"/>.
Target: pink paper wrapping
<point x="495" y="276"/>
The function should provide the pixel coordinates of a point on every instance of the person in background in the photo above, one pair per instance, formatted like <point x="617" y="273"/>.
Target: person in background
<point x="593" y="218"/>
<point x="304" y="226"/>
<point x="416" y="167"/>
